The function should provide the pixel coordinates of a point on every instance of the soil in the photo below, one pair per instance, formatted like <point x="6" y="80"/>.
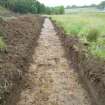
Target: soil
<point x="50" y="80"/>
<point x="90" y="68"/>
<point x="21" y="36"/>
<point x="47" y="67"/>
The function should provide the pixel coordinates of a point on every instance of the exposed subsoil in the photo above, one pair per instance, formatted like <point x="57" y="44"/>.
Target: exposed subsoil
<point x="90" y="68"/>
<point x="21" y="36"/>
<point x="50" y="80"/>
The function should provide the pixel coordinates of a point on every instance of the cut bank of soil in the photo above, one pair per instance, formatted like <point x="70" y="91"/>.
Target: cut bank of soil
<point x="50" y="80"/>
<point x="21" y="36"/>
<point x="91" y="69"/>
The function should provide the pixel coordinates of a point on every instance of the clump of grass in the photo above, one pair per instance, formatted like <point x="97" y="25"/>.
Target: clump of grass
<point x="92" y="35"/>
<point x="1" y="19"/>
<point x="75" y="29"/>
<point x="2" y="43"/>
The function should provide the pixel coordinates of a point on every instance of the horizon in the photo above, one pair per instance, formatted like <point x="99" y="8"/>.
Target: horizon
<point x="52" y="3"/>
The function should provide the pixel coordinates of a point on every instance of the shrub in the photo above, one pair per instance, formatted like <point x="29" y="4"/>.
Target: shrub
<point x="92" y="35"/>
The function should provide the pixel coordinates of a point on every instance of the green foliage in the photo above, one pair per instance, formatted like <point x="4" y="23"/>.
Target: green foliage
<point x="30" y="6"/>
<point x="101" y="5"/>
<point x="57" y="10"/>
<point x="2" y="43"/>
<point x="25" y="6"/>
<point x="92" y="35"/>
<point x="88" y="27"/>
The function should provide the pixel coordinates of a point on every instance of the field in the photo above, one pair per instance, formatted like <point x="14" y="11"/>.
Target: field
<point x="82" y="10"/>
<point x="89" y="27"/>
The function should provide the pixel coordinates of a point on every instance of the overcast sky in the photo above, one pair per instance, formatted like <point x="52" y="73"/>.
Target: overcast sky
<point x="69" y="2"/>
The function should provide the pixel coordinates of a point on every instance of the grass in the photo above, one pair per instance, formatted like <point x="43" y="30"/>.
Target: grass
<point x="89" y="27"/>
<point x="3" y="10"/>
<point x="2" y="42"/>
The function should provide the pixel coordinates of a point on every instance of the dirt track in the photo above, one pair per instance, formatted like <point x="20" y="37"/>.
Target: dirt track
<point x="50" y="80"/>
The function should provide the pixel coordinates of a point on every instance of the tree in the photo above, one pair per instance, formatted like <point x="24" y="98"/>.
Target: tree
<point x="30" y="6"/>
<point x="102" y="5"/>
<point x="74" y="6"/>
<point x="61" y="9"/>
<point x="68" y="7"/>
<point x="57" y="10"/>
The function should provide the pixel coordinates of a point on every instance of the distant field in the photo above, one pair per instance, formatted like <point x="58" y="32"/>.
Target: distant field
<point x="81" y="10"/>
<point x="89" y="27"/>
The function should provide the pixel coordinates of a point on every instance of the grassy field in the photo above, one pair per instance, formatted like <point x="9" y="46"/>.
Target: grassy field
<point x="89" y="27"/>
<point x="81" y="10"/>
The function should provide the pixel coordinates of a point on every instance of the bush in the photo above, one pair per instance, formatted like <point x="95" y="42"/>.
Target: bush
<point x="92" y="35"/>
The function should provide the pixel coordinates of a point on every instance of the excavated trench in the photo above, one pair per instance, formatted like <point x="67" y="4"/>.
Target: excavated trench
<point x="50" y="80"/>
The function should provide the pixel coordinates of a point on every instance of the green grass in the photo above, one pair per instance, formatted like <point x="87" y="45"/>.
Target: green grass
<point x="85" y="26"/>
<point x="2" y="43"/>
<point x="3" y="10"/>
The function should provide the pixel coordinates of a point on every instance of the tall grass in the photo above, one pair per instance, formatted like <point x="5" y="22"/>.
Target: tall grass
<point x="2" y="43"/>
<point x="89" y="27"/>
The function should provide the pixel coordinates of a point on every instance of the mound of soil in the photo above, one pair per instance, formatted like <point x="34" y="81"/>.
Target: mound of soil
<point x="21" y="36"/>
<point x="91" y="69"/>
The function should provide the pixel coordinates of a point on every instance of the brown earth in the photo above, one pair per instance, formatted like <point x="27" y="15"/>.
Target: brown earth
<point x="50" y="80"/>
<point x="21" y="36"/>
<point x="47" y="74"/>
<point x="91" y="69"/>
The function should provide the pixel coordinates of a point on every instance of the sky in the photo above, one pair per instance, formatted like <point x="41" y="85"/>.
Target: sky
<point x="69" y="2"/>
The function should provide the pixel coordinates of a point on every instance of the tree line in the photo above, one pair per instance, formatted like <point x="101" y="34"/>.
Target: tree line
<point x="99" y="6"/>
<point x="30" y="6"/>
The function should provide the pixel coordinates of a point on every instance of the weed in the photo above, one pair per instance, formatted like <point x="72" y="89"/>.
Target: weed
<point x="92" y="35"/>
<point x="2" y="43"/>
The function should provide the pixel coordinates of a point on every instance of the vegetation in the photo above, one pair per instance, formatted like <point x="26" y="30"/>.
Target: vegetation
<point x="57" y="10"/>
<point x="90" y="28"/>
<point x="30" y="6"/>
<point x="92" y="35"/>
<point x="4" y="11"/>
<point x="102" y="5"/>
<point x="2" y="43"/>
<point x="86" y="8"/>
